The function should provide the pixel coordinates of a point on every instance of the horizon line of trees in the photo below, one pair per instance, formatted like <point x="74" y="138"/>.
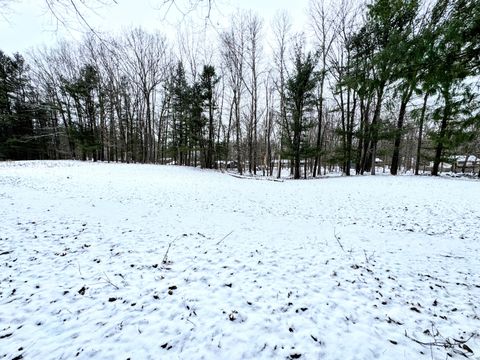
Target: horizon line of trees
<point x="395" y="80"/>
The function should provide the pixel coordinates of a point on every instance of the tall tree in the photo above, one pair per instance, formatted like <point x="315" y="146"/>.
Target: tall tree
<point x="300" y="88"/>
<point x="19" y="111"/>
<point x="254" y="28"/>
<point x="452" y="61"/>
<point x="233" y="44"/>
<point x="409" y="53"/>
<point x="209" y="80"/>
<point x="384" y="30"/>
<point x="345" y="95"/>
<point x="282" y="26"/>
<point x="323" y="28"/>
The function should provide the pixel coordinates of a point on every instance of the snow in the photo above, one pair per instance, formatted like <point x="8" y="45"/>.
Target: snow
<point x="111" y="261"/>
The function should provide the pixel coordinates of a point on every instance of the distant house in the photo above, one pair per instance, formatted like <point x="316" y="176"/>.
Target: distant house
<point x="467" y="161"/>
<point x="443" y="166"/>
<point x="232" y="164"/>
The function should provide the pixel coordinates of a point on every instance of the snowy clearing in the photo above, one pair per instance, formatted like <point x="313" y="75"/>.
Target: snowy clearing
<point x="112" y="261"/>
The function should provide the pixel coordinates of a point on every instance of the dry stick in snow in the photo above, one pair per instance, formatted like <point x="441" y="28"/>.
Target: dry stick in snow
<point x="191" y="322"/>
<point x="218" y="243"/>
<point x="165" y="257"/>
<point x="368" y="258"/>
<point x="338" y="240"/>
<point x="447" y="344"/>
<point x="79" y="270"/>
<point x="107" y="279"/>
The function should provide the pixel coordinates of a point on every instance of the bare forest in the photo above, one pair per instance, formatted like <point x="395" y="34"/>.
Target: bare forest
<point x="376" y="86"/>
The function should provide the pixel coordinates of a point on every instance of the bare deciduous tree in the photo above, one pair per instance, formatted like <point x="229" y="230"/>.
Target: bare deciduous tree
<point x="281" y="26"/>
<point x="144" y="56"/>
<point x="322" y="22"/>
<point x="233" y="52"/>
<point x="254" y="28"/>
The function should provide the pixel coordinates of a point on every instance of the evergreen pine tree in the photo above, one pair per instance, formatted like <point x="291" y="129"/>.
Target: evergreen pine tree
<point x="300" y="97"/>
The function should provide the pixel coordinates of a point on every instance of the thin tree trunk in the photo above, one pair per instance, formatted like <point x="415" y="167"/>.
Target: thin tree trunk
<point x="399" y="130"/>
<point x="420" y="134"/>
<point x="442" y="134"/>
<point x="375" y="125"/>
<point x="319" y="129"/>
<point x="350" y="125"/>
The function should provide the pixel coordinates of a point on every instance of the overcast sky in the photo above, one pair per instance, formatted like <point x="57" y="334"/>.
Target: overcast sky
<point x="29" y="24"/>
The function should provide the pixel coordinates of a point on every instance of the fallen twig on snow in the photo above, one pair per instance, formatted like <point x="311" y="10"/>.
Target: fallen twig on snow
<point x="218" y="243"/>
<point x="107" y="279"/>
<point x="338" y="239"/>
<point x="368" y="258"/>
<point x="457" y="346"/>
<point x="165" y="257"/>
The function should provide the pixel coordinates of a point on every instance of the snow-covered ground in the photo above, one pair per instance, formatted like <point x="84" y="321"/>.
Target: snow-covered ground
<point x="111" y="261"/>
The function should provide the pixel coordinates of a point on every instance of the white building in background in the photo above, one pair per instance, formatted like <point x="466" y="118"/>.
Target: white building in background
<point x="469" y="161"/>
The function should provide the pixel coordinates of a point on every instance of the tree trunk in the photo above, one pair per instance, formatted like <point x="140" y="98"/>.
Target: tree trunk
<point x="374" y="126"/>
<point x="420" y="134"/>
<point x="442" y="134"/>
<point x="350" y="125"/>
<point x="296" y="147"/>
<point x="229" y="128"/>
<point x="279" y="169"/>
<point x="209" y="160"/>
<point x="237" y="140"/>
<point x="366" y="138"/>
<point x="399" y="130"/>
<point x="319" y="130"/>
<point x="464" y="166"/>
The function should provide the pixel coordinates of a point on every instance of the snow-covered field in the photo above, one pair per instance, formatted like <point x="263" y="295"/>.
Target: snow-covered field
<point x="111" y="261"/>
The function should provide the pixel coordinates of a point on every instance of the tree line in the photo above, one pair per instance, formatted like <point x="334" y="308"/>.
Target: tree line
<point x="390" y="82"/>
